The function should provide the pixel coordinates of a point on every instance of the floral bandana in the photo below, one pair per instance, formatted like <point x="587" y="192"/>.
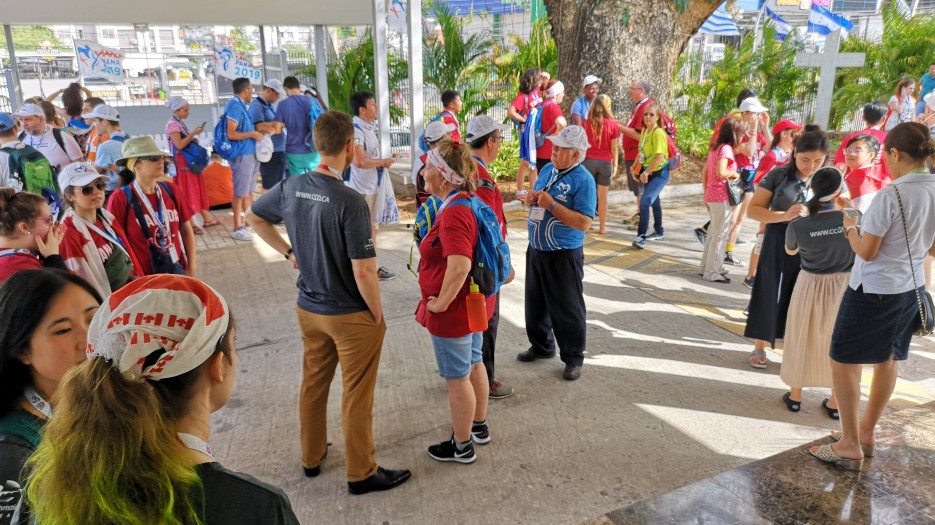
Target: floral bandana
<point x="435" y="159"/>
<point x="159" y="326"/>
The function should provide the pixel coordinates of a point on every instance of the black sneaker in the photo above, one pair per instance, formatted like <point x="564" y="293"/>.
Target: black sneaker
<point x="730" y="258"/>
<point x="655" y="236"/>
<point x="700" y="235"/>
<point x="480" y="434"/>
<point x="448" y="451"/>
<point x="748" y="282"/>
<point x="639" y="242"/>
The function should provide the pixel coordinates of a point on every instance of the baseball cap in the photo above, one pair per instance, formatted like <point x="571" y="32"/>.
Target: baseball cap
<point x="29" y="110"/>
<point x="437" y="129"/>
<point x="753" y="105"/>
<point x="591" y="79"/>
<point x="78" y="174"/>
<point x="571" y="137"/>
<point x="276" y="85"/>
<point x="783" y="125"/>
<point x="104" y="112"/>
<point x="264" y="148"/>
<point x="480" y="126"/>
<point x="6" y="122"/>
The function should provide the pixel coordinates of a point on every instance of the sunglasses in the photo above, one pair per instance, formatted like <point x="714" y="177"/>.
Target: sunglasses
<point x="89" y="189"/>
<point x="153" y="158"/>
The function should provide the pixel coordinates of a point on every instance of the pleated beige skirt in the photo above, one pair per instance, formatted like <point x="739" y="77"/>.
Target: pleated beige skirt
<point x="813" y="310"/>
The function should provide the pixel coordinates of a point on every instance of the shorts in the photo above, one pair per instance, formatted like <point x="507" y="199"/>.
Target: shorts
<point x="244" y="168"/>
<point x="601" y="170"/>
<point x="747" y="184"/>
<point x="274" y="170"/>
<point x="872" y="327"/>
<point x="456" y="355"/>
<point x="372" y="205"/>
<point x="300" y="163"/>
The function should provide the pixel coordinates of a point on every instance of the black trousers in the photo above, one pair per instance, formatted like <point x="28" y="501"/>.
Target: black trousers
<point x="274" y="170"/>
<point x="555" y="309"/>
<point x="490" y="340"/>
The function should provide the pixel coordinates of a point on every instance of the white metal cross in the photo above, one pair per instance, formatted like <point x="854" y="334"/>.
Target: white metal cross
<point x="828" y="61"/>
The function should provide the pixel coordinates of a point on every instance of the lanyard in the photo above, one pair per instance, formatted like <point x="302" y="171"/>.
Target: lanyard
<point x="162" y="220"/>
<point x="196" y="443"/>
<point x="451" y="196"/>
<point x="480" y="161"/>
<point x="38" y="402"/>
<point x="334" y="171"/>
<point x="16" y="251"/>
<point x="110" y="234"/>
<point x="557" y="178"/>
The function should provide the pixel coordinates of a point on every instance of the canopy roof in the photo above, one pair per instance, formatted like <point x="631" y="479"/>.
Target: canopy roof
<point x="189" y="12"/>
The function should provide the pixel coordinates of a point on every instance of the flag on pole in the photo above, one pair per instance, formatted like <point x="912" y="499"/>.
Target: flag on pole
<point x="720" y="23"/>
<point x="782" y="27"/>
<point x="903" y="8"/>
<point x="97" y="61"/>
<point x="396" y="17"/>
<point x="824" y="22"/>
<point x="230" y="64"/>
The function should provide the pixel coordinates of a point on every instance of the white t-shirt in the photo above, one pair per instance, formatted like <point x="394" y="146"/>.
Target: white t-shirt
<point x="888" y="272"/>
<point x="904" y="112"/>
<point x="5" y="164"/>
<point x="365" y="180"/>
<point x="48" y="146"/>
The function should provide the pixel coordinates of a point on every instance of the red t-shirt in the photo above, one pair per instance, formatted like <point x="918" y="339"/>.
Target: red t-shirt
<point x="773" y="158"/>
<point x="600" y="149"/>
<point x="491" y="197"/>
<point x="73" y="243"/>
<point x="455" y="233"/>
<point x="523" y="102"/>
<point x="448" y="118"/>
<point x="744" y="161"/>
<point x="631" y="147"/>
<point x="125" y="217"/>
<point x="881" y="158"/>
<point x="550" y="113"/>
<point x="12" y="261"/>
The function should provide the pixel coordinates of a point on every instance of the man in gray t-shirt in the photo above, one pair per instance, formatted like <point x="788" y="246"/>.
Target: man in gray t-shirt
<point x="339" y="308"/>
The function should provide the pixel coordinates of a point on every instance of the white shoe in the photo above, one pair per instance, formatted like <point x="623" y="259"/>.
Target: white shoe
<point x="241" y="234"/>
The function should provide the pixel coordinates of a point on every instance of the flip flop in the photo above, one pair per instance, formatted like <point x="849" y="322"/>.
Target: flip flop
<point x="867" y="449"/>
<point x="197" y="230"/>
<point x="758" y="359"/>
<point x="826" y="454"/>
<point x="212" y="222"/>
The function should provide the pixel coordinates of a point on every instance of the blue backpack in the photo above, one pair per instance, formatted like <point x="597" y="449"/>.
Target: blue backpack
<point x="491" y="261"/>
<point x="423" y="144"/>
<point x="222" y="145"/>
<point x="313" y="114"/>
<point x="537" y="122"/>
<point x="425" y="219"/>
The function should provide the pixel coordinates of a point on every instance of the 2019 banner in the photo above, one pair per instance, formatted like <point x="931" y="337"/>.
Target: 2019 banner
<point x="97" y="61"/>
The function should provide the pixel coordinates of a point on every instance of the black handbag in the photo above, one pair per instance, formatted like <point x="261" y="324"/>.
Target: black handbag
<point x="734" y="192"/>
<point x="926" y="306"/>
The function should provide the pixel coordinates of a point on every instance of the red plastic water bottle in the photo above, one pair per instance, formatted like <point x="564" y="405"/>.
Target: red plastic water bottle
<point x="476" y="309"/>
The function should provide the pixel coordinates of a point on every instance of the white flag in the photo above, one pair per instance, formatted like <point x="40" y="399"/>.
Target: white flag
<point x="903" y="8"/>
<point x="396" y="17"/>
<point x="229" y="64"/>
<point x="97" y="61"/>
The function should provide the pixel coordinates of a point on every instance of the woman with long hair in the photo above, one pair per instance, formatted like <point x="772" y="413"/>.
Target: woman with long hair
<point x="522" y="111"/>
<point x="29" y="236"/>
<point x="129" y="440"/>
<point x="194" y="193"/>
<point x="651" y="170"/>
<point x="864" y="175"/>
<point x="826" y="266"/>
<point x="721" y="170"/>
<point x="902" y="105"/>
<point x="601" y="159"/>
<point x="94" y="246"/>
<point x="44" y="318"/>
<point x="779" y="198"/>
<point x="166" y="244"/>
<point x="72" y="110"/>
<point x="881" y="305"/>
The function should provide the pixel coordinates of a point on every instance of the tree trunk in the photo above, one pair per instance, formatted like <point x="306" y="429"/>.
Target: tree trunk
<point x="622" y="41"/>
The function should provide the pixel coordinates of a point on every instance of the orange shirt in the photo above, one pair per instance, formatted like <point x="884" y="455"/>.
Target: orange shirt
<point x="95" y="139"/>
<point x="219" y="183"/>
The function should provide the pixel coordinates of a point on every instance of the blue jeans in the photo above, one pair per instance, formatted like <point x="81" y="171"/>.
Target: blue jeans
<point x="456" y="355"/>
<point x="650" y="198"/>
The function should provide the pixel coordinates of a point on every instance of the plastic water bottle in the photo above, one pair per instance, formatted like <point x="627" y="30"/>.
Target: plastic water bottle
<point x="476" y="309"/>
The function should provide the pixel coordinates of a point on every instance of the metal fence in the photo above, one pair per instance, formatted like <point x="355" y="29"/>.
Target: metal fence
<point x="5" y="105"/>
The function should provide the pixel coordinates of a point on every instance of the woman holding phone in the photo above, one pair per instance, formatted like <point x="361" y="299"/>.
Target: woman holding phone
<point x="192" y="188"/>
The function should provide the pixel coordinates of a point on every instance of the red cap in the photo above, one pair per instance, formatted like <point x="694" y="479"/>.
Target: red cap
<point x="783" y="125"/>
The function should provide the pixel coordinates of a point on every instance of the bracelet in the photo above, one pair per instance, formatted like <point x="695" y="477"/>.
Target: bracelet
<point x="552" y="207"/>
<point x="289" y="253"/>
<point x="847" y="230"/>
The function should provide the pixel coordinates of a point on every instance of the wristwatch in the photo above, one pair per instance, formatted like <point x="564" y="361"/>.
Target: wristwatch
<point x="289" y="253"/>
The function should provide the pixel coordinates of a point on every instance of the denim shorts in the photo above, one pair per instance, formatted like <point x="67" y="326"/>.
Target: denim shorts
<point x="455" y="355"/>
<point x="872" y="327"/>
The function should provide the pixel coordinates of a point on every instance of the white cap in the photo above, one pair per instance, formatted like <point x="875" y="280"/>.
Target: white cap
<point x="102" y="111"/>
<point x="437" y="129"/>
<point x="78" y="174"/>
<point x="264" y="148"/>
<point x="591" y="79"/>
<point x="557" y="89"/>
<point x="753" y="105"/>
<point x="571" y="137"/>
<point x="275" y="85"/>
<point x="29" y="110"/>
<point x="480" y="126"/>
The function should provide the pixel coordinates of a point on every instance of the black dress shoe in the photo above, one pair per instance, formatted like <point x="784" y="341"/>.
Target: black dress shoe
<point x="529" y="356"/>
<point x="383" y="479"/>
<point x="571" y="372"/>
<point x="314" y="471"/>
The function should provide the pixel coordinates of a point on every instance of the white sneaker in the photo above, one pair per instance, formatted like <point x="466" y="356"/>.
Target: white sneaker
<point x="521" y="194"/>
<point x="241" y="234"/>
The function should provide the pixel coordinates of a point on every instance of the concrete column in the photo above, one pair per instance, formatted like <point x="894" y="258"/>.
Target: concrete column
<point x="13" y="84"/>
<point x="381" y="71"/>
<point x="263" y="54"/>
<point x="416" y="99"/>
<point x="321" y="62"/>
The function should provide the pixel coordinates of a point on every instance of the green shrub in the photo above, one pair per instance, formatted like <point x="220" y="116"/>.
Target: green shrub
<point x="507" y="163"/>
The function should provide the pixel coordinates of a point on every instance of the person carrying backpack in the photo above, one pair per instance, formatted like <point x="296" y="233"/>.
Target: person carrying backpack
<point x="59" y="147"/>
<point x="106" y="122"/>
<point x="294" y="112"/>
<point x="24" y="168"/>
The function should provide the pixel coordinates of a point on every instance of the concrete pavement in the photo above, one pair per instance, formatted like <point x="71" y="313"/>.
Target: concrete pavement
<point x="666" y="396"/>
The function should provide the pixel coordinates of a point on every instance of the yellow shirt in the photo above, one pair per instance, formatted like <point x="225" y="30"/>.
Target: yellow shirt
<point x="652" y="144"/>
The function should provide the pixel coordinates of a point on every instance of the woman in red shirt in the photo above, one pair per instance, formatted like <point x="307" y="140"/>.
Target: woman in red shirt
<point x="601" y="159"/>
<point x="167" y="243"/>
<point x="29" y="235"/>
<point x="446" y="262"/>
<point x="521" y="111"/>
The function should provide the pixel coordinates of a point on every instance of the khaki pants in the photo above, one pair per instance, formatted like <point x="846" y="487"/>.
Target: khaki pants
<point x="355" y="342"/>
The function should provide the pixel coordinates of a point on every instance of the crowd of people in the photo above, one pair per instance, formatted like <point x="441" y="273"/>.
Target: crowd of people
<point x="118" y="355"/>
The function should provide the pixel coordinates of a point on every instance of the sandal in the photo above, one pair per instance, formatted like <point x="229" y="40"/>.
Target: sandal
<point x="197" y="230"/>
<point x="212" y="222"/>
<point x="867" y="449"/>
<point x="826" y="454"/>
<point x="792" y="405"/>
<point x="832" y="412"/>
<point x="758" y="359"/>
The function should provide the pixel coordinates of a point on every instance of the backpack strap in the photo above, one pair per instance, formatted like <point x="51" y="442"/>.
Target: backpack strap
<point x="165" y="188"/>
<point x="484" y="183"/>
<point x="140" y="218"/>
<point x="57" y="133"/>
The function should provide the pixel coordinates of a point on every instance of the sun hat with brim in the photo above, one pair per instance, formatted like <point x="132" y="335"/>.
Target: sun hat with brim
<point x="140" y="147"/>
<point x="571" y="137"/>
<point x="78" y="174"/>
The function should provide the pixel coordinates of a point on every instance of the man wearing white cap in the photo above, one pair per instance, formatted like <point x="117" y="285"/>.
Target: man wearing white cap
<point x="106" y="121"/>
<point x="262" y="111"/>
<point x="59" y="147"/>
<point x="562" y="206"/>
<point x="551" y="120"/>
<point x="434" y="132"/>
<point x="590" y="88"/>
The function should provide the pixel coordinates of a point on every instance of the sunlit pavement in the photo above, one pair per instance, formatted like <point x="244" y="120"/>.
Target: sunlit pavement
<point x="666" y="396"/>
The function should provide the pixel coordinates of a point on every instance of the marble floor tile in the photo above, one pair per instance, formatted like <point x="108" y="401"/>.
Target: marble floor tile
<point x="702" y="502"/>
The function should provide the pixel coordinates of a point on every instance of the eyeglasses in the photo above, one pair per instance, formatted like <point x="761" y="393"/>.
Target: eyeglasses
<point x="48" y="220"/>
<point x="153" y="158"/>
<point x="498" y="138"/>
<point x="854" y="151"/>
<point x="89" y="189"/>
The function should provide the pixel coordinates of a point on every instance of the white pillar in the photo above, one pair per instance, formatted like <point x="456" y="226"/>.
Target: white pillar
<point x="321" y="62"/>
<point x="416" y="101"/>
<point x="381" y="71"/>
